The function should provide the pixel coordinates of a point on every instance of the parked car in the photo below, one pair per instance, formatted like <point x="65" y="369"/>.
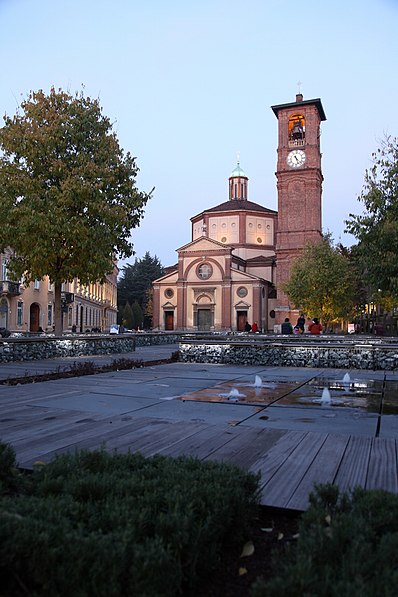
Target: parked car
<point x="4" y="333"/>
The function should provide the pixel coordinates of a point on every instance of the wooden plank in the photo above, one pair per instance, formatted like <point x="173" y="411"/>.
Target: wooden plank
<point x="280" y="486"/>
<point x="382" y="471"/>
<point x="95" y="433"/>
<point x="201" y="444"/>
<point x="353" y="468"/>
<point x="269" y="462"/>
<point x="323" y="469"/>
<point x="36" y="423"/>
<point x="249" y="447"/>
<point x="150" y="440"/>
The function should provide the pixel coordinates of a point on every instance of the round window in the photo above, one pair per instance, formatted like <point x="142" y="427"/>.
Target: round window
<point x="169" y="293"/>
<point x="204" y="271"/>
<point x="224" y="239"/>
<point x="272" y="314"/>
<point x="259" y="240"/>
<point x="242" y="291"/>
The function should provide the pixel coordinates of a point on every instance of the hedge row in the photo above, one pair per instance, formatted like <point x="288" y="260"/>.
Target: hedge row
<point x="99" y="524"/>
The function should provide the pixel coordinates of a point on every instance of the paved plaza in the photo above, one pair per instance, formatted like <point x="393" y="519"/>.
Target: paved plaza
<point x="295" y="426"/>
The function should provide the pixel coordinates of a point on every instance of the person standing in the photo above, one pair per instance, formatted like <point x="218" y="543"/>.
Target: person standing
<point x="315" y="326"/>
<point x="301" y="322"/>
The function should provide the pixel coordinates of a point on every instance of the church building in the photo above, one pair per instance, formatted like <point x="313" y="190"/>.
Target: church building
<point x="240" y="254"/>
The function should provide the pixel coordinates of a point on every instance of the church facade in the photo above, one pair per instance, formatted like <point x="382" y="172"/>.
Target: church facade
<point x="233" y="269"/>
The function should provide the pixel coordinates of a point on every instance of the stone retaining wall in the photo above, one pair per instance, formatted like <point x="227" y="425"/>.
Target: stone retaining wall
<point x="30" y="349"/>
<point x="308" y="353"/>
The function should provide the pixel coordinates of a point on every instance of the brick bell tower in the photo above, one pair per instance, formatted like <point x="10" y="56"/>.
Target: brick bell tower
<point x="299" y="183"/>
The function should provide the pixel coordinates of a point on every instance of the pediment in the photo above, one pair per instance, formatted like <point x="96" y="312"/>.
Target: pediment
<point x="204" y="244"/>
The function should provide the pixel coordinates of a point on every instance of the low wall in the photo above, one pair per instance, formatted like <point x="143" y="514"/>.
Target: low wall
<point x="342" y="353"/>
<point x="49" y="347"/>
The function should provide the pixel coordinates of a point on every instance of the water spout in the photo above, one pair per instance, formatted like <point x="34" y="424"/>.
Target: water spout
<point x="233" y="394"/>
<point x="326" y="399"/>
<point x="258" y="382"/>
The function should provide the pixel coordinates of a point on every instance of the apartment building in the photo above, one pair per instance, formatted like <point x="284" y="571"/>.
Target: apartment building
<point x="31" y="308"/>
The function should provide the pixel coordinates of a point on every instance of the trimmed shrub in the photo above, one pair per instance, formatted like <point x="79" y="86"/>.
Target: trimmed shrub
<point x="347" y="545"/>
<point x="99" y="524"/>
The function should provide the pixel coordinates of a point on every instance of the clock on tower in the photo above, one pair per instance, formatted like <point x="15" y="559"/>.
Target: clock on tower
<point x="299" y="182"/>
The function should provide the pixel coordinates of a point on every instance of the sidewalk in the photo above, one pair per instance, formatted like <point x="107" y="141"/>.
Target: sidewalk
<point x="27" y="368"/>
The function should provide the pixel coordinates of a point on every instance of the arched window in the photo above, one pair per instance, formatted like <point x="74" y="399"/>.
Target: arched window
<point x="296" y="130"/>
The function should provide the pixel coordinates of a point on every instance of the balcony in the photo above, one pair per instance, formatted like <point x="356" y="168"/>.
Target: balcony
<point x="9" y="288"/>
<point x="296" y="143"/>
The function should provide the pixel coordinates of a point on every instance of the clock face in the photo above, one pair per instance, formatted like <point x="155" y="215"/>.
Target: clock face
<point x="296" y="158"/>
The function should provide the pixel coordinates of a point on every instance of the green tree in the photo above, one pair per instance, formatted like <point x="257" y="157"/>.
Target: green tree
<point x="138" y="317"/>
<point x="322" y="282"/>
<point x="127" y="318"/>
<point x="377" y="228"/>
<point x="68" y="198"/>
<point x="137" y="279"/>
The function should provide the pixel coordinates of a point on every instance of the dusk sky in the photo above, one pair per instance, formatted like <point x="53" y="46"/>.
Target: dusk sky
<point x="190" y="84"/>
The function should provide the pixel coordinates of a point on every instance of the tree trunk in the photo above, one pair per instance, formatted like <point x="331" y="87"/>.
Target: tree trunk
<point x="57" y="310"/>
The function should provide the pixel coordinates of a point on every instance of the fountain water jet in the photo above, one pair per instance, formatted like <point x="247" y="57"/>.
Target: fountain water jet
<point x="233" y="394"/>
<point x="326" y="399"/>
<point x="258" y="382"/>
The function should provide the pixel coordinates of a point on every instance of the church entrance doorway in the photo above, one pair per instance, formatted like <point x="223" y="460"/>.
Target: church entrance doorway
<point x="169" y="320"/>
<point x="205" y="319"/>
<point x="34" y="317"/>
<point x="241" y="320"/>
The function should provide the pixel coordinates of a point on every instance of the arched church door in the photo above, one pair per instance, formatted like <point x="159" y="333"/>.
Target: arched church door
<point x="3" y="313"/>
<point x="34" y="317"/>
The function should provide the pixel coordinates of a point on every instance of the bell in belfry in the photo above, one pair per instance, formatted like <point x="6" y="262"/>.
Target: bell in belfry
<point x="297" y="131"/>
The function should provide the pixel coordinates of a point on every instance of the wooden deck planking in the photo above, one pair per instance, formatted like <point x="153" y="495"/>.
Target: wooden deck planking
<point x="36" y="422"/>
<point x="279" y="488"/>
<point x="382" y="471"/>
<point x="154" y="437"/>
<point x="93" y="434"/>
<point x="353" y="468"/>
<point x="290" y="462"/>
<point x="203" y="443"/>
<point x="245" y="450"/>
<point x="323" y="469"/>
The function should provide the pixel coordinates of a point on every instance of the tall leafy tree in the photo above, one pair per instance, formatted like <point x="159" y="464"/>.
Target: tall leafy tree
<point x="68" y="195"/>
<point x="322" y="282"/>
<point x="136" y="280"/>
<point x="376" y="229"/>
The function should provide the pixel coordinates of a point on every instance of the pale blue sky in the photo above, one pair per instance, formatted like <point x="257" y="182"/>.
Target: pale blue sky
<point x="189" y="84"/>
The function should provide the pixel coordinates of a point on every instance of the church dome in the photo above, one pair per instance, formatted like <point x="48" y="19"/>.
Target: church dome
<point x="238" y="172"/>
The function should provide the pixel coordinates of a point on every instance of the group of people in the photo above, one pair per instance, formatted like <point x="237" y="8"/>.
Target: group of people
<point x="251" y="328"/>
<point x="315" y="327"/>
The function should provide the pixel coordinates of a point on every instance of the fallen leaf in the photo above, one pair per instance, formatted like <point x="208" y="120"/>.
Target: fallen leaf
<point x="280" y="536"/>
<point x="267" y="530"/>
<point x="296" y="536"/>
<point x="242" y="571"/>
<point x="328" y="519"/>
<point x="248" y="550"/>
<point x="39" y="463"/>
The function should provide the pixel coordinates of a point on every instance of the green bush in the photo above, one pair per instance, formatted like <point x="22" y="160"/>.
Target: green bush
<point x="11" y="480"/>
<point x="347" y="546"/>
<point x="99" y="524"/>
